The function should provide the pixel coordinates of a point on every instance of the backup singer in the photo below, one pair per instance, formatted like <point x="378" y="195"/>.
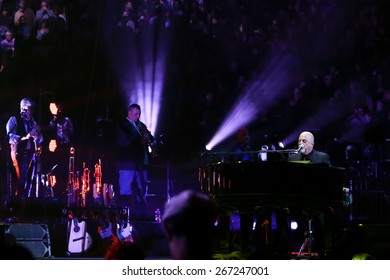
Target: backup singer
<point x="59" y="137"/>
<point x="25" y="138"/>
<point x="61" y="127"/>
<point x="133" y="140"/>
<point x="241" y="146"/>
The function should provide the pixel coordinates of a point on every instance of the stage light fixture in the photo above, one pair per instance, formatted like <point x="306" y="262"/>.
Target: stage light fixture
<point x="293" y="225"/>
<point x="235" y="222"/>
<point x="254" y="224"/>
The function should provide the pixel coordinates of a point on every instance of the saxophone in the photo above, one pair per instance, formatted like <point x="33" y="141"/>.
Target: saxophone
<point x="71" y="179"/>
<point x="147" y="138"/>
<point x="84" y="186"/>
<point x="97" y="187"/>
<point x="76" y="189"/>
<point x="103" y="193"/>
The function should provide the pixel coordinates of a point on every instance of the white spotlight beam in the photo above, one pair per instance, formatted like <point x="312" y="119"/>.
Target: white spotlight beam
<point x="144" y="82"/>
<point x="263" y="93"/>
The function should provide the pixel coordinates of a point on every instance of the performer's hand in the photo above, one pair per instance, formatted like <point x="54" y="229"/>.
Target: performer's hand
<point x="33" y="133"/>
<point x="25" y="137"/>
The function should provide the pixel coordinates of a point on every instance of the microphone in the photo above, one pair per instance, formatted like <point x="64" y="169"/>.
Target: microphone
<point x="300" y="148"/>
<point x="23" y="115"/>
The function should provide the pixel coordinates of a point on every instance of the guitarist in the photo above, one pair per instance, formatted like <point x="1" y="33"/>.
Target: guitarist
<point x="25" y="138"/>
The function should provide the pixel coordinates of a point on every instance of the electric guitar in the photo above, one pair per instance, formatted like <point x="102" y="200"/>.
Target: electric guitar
<point x="79" y="239"/>
<point x="124" y="230"/>
<point x="106" y="232"/>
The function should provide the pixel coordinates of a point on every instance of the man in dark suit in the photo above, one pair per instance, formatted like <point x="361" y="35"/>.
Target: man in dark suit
<point x="133" y="159"/>
<point x="306" y="151"/>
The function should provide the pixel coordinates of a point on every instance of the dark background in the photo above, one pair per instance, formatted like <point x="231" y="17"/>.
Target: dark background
<point x="85" y="65"/>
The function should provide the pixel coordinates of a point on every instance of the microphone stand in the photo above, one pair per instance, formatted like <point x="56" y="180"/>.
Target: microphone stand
<point x="308" y="242"/>
<point x="37" y="169"/>
<point x="36" y="172"/>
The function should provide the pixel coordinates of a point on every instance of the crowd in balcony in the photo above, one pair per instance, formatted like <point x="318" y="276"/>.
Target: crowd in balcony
<point x="217" y="48"/>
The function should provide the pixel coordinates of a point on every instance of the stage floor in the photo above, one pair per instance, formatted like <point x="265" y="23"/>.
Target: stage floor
<point x="44" y="229"/>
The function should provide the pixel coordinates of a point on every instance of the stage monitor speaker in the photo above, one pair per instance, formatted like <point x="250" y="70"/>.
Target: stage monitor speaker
<point x="34" y="237"/>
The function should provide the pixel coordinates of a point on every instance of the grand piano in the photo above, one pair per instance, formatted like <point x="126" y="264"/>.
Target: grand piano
<point x="276" y="184"/>
<point x="274" y="193"/>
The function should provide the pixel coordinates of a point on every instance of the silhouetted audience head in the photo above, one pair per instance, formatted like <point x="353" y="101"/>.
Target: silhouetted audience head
<point x="10" y="250"/>
<point x="188" y="222"/>
<point x="125" y="250"/>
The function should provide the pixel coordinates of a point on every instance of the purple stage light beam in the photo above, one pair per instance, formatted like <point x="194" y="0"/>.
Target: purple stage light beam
<point x="264" y="92"/>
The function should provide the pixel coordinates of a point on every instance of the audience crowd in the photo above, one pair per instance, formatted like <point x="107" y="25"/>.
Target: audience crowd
<point x="215" y="50"/>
